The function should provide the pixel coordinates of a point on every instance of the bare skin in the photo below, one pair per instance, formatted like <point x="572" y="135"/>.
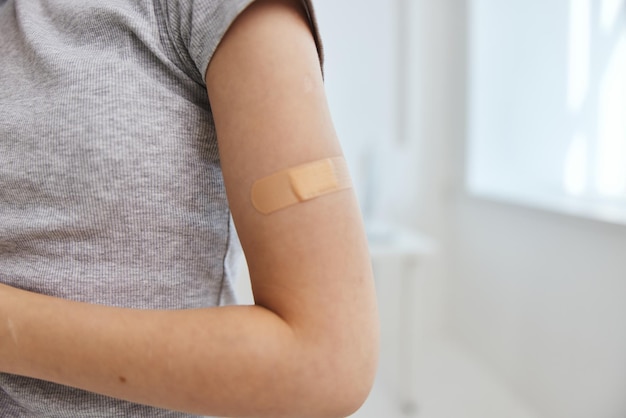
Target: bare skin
<point x="309" y="346"/>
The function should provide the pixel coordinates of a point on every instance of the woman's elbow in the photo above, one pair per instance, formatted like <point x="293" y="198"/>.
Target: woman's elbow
<point x="356" y="389"/>
<point x="342" y="375"/>
<point x="359" y="377"/>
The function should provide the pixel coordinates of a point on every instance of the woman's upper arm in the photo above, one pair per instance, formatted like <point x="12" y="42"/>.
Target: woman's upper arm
<point x="309" y="262"/>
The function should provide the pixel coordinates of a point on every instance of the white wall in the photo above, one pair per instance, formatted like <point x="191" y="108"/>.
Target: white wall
<point x="360" y="49"/>
<point x="538" y="297"/>
<point x="365" y="96"/>
<point x="541" y="298"/>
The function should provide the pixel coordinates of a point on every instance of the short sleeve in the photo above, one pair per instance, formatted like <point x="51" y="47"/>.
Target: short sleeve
<point x="196" y="28"/>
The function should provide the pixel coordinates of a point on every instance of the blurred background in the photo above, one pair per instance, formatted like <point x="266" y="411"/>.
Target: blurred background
<point x="487" y="141"/>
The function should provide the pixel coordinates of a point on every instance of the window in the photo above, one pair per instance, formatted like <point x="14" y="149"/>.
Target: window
<point x="547" y="104"/>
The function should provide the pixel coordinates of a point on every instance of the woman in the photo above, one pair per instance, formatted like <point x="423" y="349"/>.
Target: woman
<point x="130" y="131"/>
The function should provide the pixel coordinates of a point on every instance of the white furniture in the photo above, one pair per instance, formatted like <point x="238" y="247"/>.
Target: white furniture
<point x="398" y="250"/>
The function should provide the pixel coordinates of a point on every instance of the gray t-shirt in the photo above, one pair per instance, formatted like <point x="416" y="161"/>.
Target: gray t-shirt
<point x="111" y="190"/>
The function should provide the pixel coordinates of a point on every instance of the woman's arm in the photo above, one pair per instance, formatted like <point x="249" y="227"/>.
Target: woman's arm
<point x="309" y="345"/>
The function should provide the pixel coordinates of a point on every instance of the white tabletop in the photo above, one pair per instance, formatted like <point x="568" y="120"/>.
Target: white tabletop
<point x="387" y="240"/>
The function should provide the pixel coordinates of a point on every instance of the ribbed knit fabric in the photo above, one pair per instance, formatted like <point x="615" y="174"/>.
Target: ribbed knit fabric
<point x="111" y="190"/>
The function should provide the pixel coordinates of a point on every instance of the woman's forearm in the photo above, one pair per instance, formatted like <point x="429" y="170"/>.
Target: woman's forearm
<point x="235" y="361"/>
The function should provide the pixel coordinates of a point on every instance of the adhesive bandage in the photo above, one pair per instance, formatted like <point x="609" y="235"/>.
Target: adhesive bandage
<point x="299" y="184"/>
